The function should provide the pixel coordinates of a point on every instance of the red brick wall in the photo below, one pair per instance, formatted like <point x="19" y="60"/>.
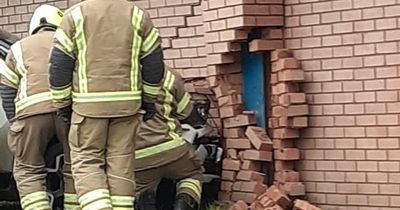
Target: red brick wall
<point x="349" y="50"/>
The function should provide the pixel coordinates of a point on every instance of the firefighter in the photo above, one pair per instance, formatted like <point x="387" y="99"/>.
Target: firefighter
<point x="161" y="152"/>
<point x="106" y="53"/>
<point x="33" y="118"/>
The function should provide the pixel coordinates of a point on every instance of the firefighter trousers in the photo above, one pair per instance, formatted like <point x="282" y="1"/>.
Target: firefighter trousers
<point x="28" y="139"/>
<point x="102" y="163"/>
<point x="187" y="170"/>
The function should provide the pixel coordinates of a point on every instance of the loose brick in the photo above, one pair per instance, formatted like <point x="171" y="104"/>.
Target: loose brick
<point x="278" y="196"/>
<point x="240" y="120"/>
<point x="232" y="154"/>
<point x="222" y="89"/>
<point x="226" y="186"/>
<point x="252" y="187"/>
<point x="269" y="21"/>
<point x="246" y="197"/>
<point x="264" y="202"/>
<point x="228" y="175"/>
<point x="278" y="111"/>
<point x="287" y="176"/>
<point x="285" y="63"/>
<point x="282" y="88"/>
<point x="293" y="188"/>
<point x="255" y="176"/>
<point x="280" y="53"/>
<point x="292" y="98"/>
<point x="241" y="21"/>
<point x="240" y="205"/>
<point x="272" y="34"/>
<point x="297" y="110"/>
<point x="232" y="35"/>
<point x="229" y="164"/>
<point x="287" y="154"/>
<point x="259" y="45"/>
<point x="234" y="132"/>
<point x="304" y="205"/>
<point x="259" y="138"/>
<point x="256" y="155"/>
<point x="230" y="111"/>
<point x="291" y="75"/>
<point x="279" y="144"/>
<point x="220" y="59"/>
<point x="281" y="165"/>
<point x="241" y="143"/>
<point x="250" y="165"/>
<point x="285" y="133"/>
<point x="232" y="99"/>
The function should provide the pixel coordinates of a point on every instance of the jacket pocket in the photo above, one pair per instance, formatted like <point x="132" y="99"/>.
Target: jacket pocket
<point x="14" y="136"/>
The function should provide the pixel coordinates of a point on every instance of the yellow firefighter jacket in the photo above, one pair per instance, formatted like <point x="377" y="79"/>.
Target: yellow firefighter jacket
<point x="27" y="70"/>
<point x="159" y="140"/>
<point x="107" y="49"/>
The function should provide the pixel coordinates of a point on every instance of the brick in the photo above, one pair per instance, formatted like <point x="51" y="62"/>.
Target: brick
<point x="259" y="45"/>
<point x="297" y="110"/>
<point x="229" y="164"/>
<point x="232" y="154"/>
<point x="249" y="175"/>
<point x="226" y="186"/>
<point x="292" y="98"/>
<point x="280" y="53"/>
<point x="240" y="205"/>
<point x="278" y="197"/>
<point x="259" y="138"/>
<point x="283" y="165"/>
<point x="282" y="88"/>
<point x="232" y="35"/>
<point x="303" y="205"/>
<point x="285" y="133"/>
<point x="251" y="187"/>
<point x="246" y="197"/>
<point x="272" y="34"/>
<point x="287" y="176"/>
<point x="233" y="99"/>
<point x="250" y="165"/>
<point x="279" y="144"/>
<point x="228" y="175"/>
<point x="239" y="120"/>
<point x="287" y="154"/>
<point x="265" y="21"/>
<point x="241" y="143"/>
<point x="263" y="201"/>
<point x="220" y="59"/>
<point x="256" y="155"/>
<point x="234" y="132"/>
<point x="293" y="188"/>
<point x="241" y="21"/>
<point x="291" y="75"/>
<point x="298" y="122"/>
<point x="285" y="63"/>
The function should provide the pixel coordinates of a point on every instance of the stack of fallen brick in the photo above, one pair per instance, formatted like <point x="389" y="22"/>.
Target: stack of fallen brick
<point x="274" y="199"/>
<point x="246" y="147"/>
<point x="289" y="115"/>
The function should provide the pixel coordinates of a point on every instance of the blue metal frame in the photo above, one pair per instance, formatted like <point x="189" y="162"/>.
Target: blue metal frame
<point x="253" y="69"/>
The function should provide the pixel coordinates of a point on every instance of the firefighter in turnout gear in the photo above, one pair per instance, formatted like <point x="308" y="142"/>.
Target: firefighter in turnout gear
<point x="106" y="54"/>
<point x="161" y="152"/>
<point x="27" y="102"/>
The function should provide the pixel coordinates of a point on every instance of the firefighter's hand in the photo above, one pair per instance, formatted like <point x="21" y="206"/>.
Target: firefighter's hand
<point x="150" y="110"/>
<point x="65" y="114"/>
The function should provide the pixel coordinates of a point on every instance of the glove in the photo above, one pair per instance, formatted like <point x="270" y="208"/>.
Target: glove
<point x="65" y="114"/>
<point x="150" y="109"/>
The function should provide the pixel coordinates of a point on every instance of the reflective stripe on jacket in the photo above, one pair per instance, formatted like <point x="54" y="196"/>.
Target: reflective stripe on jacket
<point x="107" y="40"/>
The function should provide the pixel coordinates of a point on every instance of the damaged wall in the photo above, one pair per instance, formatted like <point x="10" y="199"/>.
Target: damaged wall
<point x="349" y="50"/>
